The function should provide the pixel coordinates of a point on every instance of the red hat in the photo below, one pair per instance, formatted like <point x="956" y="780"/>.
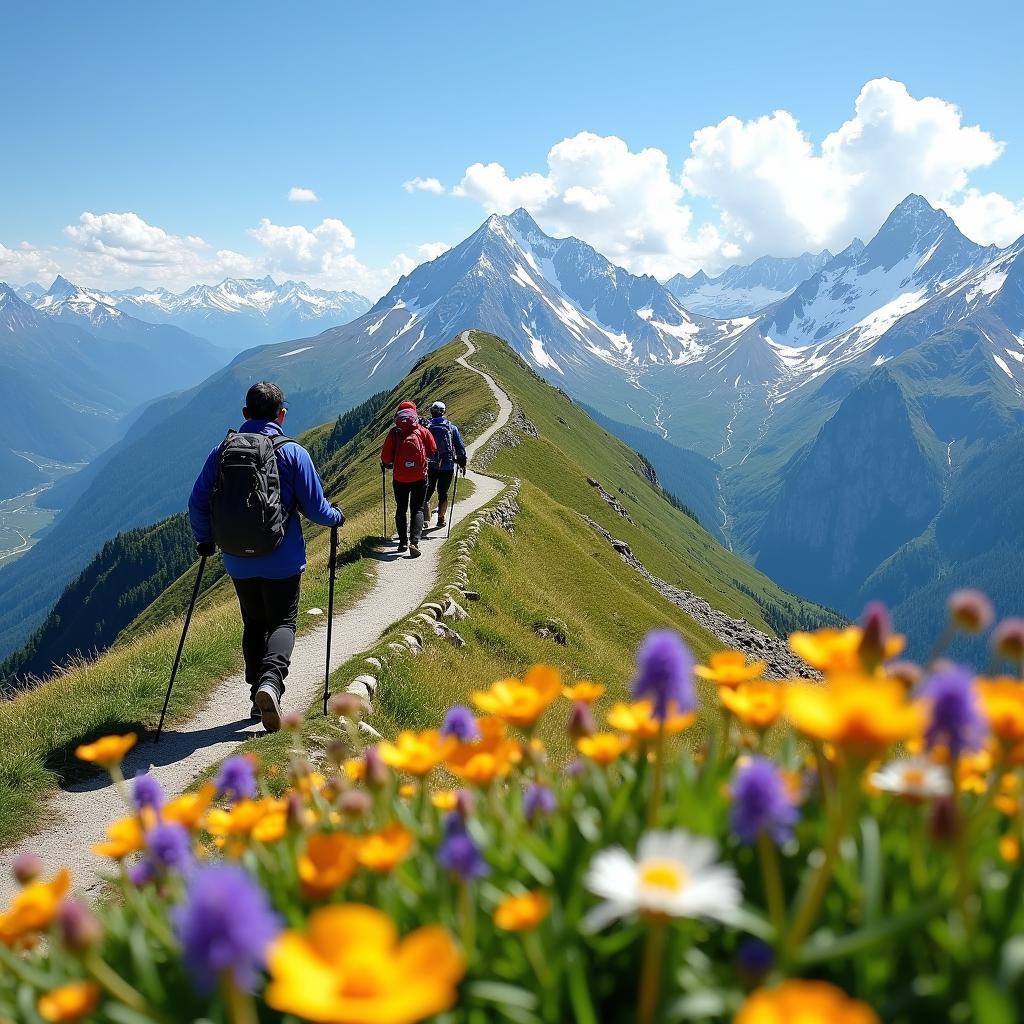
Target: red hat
<point x="407" y="405"/>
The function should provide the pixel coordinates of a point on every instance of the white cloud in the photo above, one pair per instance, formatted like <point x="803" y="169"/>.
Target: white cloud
<point x="127" y="238"/>
<point x="987" y="217"/>
<point x="302" y="195"/>
<point x="25" y="263"/>
<point x="423" y="185"/>
<point x="431" y="250"/>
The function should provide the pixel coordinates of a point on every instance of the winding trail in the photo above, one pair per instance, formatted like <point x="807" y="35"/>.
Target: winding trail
<point x="78" y="815"/>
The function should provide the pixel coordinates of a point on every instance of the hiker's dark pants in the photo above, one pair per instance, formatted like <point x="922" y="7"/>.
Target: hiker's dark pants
<point x="441" y="481"/>
<point x="409" y="497"/>
<point x="270" y="609"/>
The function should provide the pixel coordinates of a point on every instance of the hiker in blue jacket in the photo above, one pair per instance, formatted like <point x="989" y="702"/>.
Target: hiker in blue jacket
<point x="266" y="582"/>
<point x="451" y="453"/>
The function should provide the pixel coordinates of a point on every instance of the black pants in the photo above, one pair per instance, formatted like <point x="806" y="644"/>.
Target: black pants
<point x="270" y="609"/>
<point x="409" y="497"/>
<point x="441" y="481"/>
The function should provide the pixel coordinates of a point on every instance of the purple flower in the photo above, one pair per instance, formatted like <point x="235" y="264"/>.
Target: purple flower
<point x="956" y="721"/>
<point x="147" y="792"/>
<point x="458" y="853"/>
<point x="538" y="800"/>
<point x="169" y="845"/>
<point x="142" y="873"/>
<point x="225" y="926"/>
<point x="760" y="803"/>
<point x="664" y="673"/>
<point x="236" y="779"/>
<point x="460" y="723"/>
<point x="754" y="959"/>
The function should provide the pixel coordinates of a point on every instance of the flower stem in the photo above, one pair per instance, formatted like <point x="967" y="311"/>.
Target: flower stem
<point x="240" y="1006"/>
<point x="659" y="777"/>
<point x="468" y="914"/>
<point x="116" y="986"/>
<point x="771" y="874"/>
<point x="650" y="978"/>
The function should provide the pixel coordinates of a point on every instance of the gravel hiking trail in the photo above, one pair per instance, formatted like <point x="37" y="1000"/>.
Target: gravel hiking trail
<point x="78" y="814"/>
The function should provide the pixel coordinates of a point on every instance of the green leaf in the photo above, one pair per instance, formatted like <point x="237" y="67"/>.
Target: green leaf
<point x="872" y="869"/>
<point x="503" y="994"/>
<point x="990" y="1005"/>
<point x="579" y="989"/>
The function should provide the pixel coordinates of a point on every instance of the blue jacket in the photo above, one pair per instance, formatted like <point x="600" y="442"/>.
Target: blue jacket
<point x="300" y="489"/>
<point x="436" y="426"/>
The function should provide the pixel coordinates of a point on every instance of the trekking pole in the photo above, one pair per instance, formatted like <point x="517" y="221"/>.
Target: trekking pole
<point x="330" y="612"/>
<point x="384" y="498"/>
<point x="181" y="644"/>
<point x="451" y="511"/>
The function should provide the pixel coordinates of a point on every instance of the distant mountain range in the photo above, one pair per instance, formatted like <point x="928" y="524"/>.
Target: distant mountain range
<point x="841" y="420"/>
<point x="746" y="289"/>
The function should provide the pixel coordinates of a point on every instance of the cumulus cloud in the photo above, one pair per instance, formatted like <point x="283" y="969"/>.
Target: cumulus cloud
<point x="423" y="185"/>
<point x="127" y="238"/>
<point x="761" y="186"/>
<point x="431" y="250"/>
<point x="302" y="195"/>
<point x="25" y="263"/>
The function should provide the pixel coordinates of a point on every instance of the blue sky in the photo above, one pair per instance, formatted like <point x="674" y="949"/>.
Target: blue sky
<point x="199" y="118"/>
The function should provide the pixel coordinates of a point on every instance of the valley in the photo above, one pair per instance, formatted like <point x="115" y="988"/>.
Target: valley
<point x="25" y="516"/>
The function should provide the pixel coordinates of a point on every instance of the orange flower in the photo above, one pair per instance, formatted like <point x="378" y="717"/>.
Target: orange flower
<point x="108" y="751"/>
<point x="491" y="757"/>
<point x="861" y="714"/>
<point x="355" y="769"/>
<point x="521" y="702"/>
<point x="271" y="827"/>
<point x="189" y="808"/>
<point x="523" y="912"/>
<point x="328" y="861"/>
<point x="809" y="1002"/>
<point x="383" y="851"/>
<point x="124" y="836"/>
<point x="350" y="967"/>
<point x="584" y="691"/>
<point x="757" y="704"/>
<point x="417" y="753"/>
<point x="444" y="799"/>
<point x="637" y="720"/>
<point x="69" y="1002"/>
<point x="838" y="650"/>
<point x="33" y="908"/>
<point x="1009" y="849"/>
<point x="730" y="668"/>
<point x="232" y="828"/>
<point x="603" y="747"/>
<point x="1002" y="701"/>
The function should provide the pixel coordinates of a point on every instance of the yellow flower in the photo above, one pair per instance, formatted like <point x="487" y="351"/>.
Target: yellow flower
<point x="861" y="714"/>
<point x="603" y="747"/>
<point x="444" y="799"/>
<point x="350" y="967"/>
<point x="491" y="757"/>
<point x="109" y="750"/>
<point x="809" y="1002"/>
<point x="231" y="828"/>
<point x="730" y="668"/>
<point x="328" y="861"/>
<point x="355" y="769"/>
<point x="637" y="720"/>
<point x="271" y="827"/>
<point x="1002" y="701"/>
<point x="584" y="691"/>
<point x="1009" y="849"/>
<point x="521" y="702"/>
<point x="33" y="908"/>
<point x="69" y="1002"/>
<point x="838" y="650"/>
<point x="521" y="913"/>
<point x="417" y="753"/>
<point x="189" y="808"/>
<point x="757" y="704"/>
<point x="383" y="851"/>
<point x="124" y="836"/>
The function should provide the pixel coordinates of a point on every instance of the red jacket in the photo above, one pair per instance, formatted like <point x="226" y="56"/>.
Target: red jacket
<point x="387" y="454"/>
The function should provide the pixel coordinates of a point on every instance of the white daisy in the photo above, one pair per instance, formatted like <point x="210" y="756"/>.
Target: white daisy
<point x="915" y="777"/>
<point x="675" y="874"/>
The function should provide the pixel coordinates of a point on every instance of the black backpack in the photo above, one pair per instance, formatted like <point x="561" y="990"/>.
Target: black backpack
<point x="246" y="510"/>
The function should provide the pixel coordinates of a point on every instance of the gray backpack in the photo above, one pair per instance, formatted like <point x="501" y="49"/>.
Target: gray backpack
<point x="246" y="510"/>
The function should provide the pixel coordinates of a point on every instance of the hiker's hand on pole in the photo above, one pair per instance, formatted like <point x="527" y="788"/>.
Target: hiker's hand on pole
<point x="206" y="549"/>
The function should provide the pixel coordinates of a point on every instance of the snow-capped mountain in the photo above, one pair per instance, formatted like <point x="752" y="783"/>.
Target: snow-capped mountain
<point x="70" y="303"/>
<point x="239" y="314"/>
<point x="742" y="290"/>
<point x="31" y="291"/>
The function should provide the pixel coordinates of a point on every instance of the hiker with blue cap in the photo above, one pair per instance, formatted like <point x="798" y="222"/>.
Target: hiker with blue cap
<point x="450" y="456"/>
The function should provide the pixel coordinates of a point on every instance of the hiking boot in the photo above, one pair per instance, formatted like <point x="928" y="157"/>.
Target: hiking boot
<point x="441" y="523"/>
<point x="270" y="707"/>
<point x="255" y="714"/>
<point x="414" y="550"/>
<point x="402" y="546"/>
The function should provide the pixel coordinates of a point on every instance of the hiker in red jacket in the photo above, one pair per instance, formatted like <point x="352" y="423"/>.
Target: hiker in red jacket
<point x="408" y="449"/>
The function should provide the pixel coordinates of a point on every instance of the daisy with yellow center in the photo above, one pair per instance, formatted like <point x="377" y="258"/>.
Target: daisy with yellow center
<point x="522" y="912"/>
<point x="108" y="751"/>
<point x="860" y="714"/>
<point x="521" y="702"/>
<point x="838" y="650"/>
<point x="33" y="908"/>
<point x="350" y="967"/>
<point x="69" y="1002"/>
<point x="417" y="753"/>
<point x="730" y="668"/>
<point x="916" y="778"/>
<point x="327" y="862"/>
<point x="638" y="721"/>
<point x="584" y="691"/>
<point x="757" y="704"/>
<point x="809" y="1002"/>
<point x="603" y="747"/>
<point x="674" y="874"/>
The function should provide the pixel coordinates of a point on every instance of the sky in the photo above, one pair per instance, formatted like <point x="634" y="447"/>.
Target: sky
<point x="343" y="143"/>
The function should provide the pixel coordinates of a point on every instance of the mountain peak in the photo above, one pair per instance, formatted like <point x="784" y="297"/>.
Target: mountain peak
<point x="62" y="287"/>
<point x="521" y="220"/>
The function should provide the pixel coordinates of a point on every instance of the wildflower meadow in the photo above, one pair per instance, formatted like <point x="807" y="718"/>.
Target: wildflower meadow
<point x="842" y="850"/>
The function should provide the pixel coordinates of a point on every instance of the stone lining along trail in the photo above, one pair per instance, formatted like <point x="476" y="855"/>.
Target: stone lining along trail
<point x="79" y="814"/>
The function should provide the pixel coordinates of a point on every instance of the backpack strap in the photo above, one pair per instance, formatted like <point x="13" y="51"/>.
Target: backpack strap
<point x="282" y="439"/>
